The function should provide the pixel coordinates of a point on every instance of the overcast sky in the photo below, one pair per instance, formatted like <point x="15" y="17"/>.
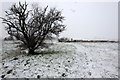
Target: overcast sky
<point x="84" y="20"/>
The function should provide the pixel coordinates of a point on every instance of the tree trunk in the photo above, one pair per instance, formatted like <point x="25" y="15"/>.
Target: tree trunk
<point x="31" y="51"/>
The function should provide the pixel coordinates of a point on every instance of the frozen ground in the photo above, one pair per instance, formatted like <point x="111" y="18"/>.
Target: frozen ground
<point x="71" y="60"/>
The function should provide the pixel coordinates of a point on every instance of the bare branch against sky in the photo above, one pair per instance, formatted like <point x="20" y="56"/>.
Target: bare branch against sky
<point x="85" y="20"/>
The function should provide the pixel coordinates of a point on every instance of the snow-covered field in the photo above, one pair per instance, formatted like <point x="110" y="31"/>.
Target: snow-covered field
<point x="69" y="60"/>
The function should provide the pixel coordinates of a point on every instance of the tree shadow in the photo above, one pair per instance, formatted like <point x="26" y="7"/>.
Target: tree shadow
<point x="46" y="52"/>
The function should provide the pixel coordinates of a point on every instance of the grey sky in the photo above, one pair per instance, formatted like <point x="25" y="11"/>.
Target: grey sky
<point x="86" y="20"/>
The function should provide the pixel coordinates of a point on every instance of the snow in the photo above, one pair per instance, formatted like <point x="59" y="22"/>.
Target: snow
<point x="73" y="60"/>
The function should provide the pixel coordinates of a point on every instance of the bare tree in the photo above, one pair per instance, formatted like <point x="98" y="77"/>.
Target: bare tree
<point x="32" y="27"/>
